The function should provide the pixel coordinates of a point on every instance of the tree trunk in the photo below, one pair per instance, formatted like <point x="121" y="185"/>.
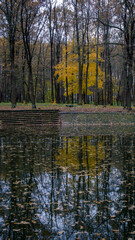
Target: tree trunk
<point x="43" y="90"/>
<point x="96" y="87"/>
<point x="57" y="85"/>
<point x="66" y="78"/>
<point x="79" y="54"/>
<point x="129" y="39"/>
<point x="12" y="76"/>
<point x="23" y="83"/>
<point x="129" y="83"/>
<point x="87" y="69"/>
<point x="110" y="82"/>
<point x="134" y="95"/>
<point x="66" y="56"/>
<point x="31" y="87"/>
<point x="52" y="91"/>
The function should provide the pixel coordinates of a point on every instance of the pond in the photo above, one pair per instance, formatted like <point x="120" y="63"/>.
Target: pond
<point x="66" y="187"/>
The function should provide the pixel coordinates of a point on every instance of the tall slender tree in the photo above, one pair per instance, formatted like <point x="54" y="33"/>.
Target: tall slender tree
<point x="30" y="14"/>
<point x="80" y="24"/>
<point x="97" y="50"/>
<point x="10" y="11"/>
<point x="66" y="35"/>
<point x="49" y="5"/>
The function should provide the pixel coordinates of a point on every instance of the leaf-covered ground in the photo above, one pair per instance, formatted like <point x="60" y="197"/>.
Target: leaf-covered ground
<point x="69" y="108"/>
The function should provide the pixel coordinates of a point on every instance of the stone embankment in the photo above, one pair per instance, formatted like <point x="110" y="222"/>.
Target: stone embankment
<point x="29" y="117"/>
<point x="97" y="118"/>
<point x="64" y="119"/>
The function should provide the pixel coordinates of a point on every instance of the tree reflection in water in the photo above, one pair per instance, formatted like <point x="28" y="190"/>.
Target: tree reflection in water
<point x="55" y="187"/>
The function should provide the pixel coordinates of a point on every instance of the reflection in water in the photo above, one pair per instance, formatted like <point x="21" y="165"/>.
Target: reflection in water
<point x="67" y="187"/>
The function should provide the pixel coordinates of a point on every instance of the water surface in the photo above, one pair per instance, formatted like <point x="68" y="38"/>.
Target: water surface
<point x="67" y="187"/>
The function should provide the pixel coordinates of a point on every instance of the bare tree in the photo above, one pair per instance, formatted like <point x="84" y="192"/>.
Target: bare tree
<point x="97" y="50"/>
<point x="32" y="21"/>
<point x="10" y="11"/>
<point x="80" y="24"/>
<point x="123" y="22"/>
<point x="66" y="35"/>
<point x="49" y="6"/>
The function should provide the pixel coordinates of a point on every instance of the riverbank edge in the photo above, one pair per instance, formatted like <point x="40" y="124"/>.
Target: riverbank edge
<point x="66" y="118"/>
<point x="95" y="118"/>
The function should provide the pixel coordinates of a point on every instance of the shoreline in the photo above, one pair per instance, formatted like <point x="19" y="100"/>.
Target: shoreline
<point x="66" y="118"/>
<point x="76" y="109"/>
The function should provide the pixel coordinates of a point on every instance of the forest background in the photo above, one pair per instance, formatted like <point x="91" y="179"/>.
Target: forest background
<point x="73" y="51"/>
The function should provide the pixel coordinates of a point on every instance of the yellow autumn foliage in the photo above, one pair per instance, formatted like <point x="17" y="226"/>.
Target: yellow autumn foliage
<point x="71" y="72"/>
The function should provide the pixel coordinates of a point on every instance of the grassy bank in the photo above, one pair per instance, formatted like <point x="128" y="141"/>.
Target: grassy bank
<point x="66" y="108"/>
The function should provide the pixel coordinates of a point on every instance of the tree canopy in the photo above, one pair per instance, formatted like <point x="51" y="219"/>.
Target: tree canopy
<point x="68" y="51"/>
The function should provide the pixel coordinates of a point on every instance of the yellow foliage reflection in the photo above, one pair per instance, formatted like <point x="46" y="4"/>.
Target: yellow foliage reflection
<point x="80" y="153"/>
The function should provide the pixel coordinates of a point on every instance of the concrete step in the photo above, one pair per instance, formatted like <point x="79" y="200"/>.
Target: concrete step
<point x="30" y="117"/>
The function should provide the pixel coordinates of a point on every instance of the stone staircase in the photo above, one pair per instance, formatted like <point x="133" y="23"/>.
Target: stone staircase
<point x="28" y="117"/>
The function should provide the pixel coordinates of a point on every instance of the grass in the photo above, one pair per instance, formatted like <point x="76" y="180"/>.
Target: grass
<point x="62" y="107"/>
<point x="57" y="105"/>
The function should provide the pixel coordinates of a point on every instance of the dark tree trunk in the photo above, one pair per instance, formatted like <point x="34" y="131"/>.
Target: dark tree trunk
<point x="57" y="85"/>
<point x="23" y="83"/>
<point x="31" y="87"/>
<point x="134" y="95"/>
<point x="66" y="78"/>
<point x="79" y="53"/>
<point x="110" y="82"/>
<point x="13" y="85"/>
<point x="87" y="69"/>
<point x="66" y="59"/>
<point x="129" y="39"/>
<point x="43" y="90"/>
<point x="51" y="31"/>
<point x="52" y="91"/>
<point x="97" y="62"/>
